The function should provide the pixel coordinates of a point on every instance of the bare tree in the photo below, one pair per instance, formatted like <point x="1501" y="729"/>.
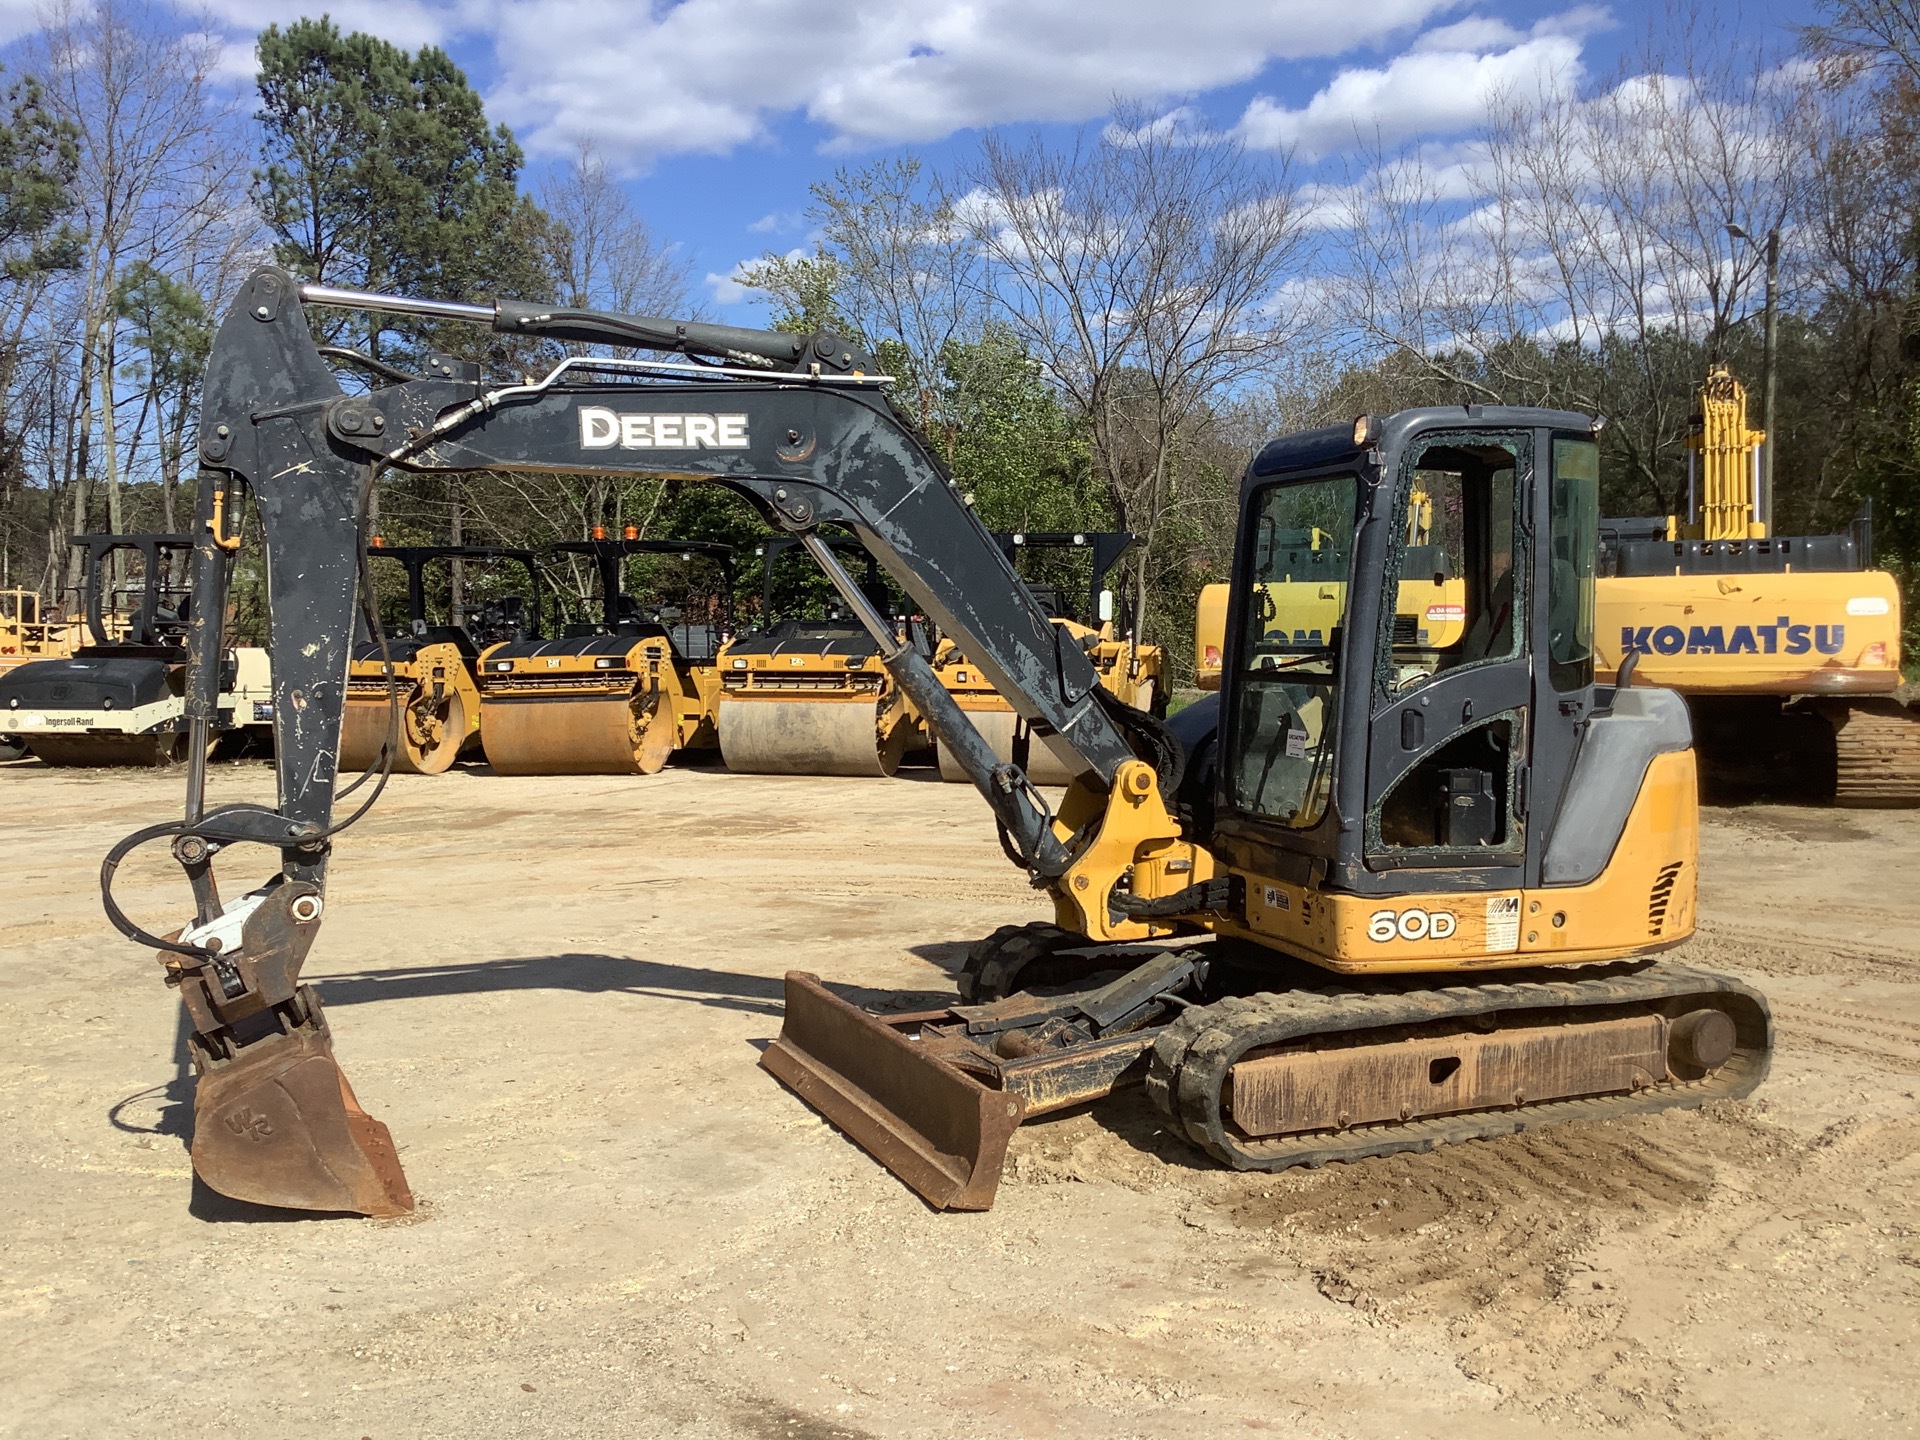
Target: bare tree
<point x="605" y="254"/>
<point x="157" y="169"/>
<point x="1145" y="269"/>
<point x="1581" y="254"/>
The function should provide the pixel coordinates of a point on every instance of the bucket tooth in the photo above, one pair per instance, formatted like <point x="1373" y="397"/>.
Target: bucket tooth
<point x="279" y="1125"/>
<point x="931" y="1124"/>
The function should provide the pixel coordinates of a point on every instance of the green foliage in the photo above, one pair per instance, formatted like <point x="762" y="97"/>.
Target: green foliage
<point x="39" y="155"/>
<point x="807" y="293"/>
<point x="380" y="171"/>
<point x="171" y="328"/>
<point x="1013" y="447"/>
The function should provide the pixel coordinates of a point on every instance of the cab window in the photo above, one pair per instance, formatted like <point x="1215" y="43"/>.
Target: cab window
<point x="1454" y="580"/>
<point x="1286" y="655"/>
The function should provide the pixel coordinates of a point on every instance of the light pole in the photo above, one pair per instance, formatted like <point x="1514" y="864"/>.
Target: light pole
<point x="1768" y="369"/>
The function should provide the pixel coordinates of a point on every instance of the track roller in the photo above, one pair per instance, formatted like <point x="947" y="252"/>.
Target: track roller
<point x="1876" y="753"/>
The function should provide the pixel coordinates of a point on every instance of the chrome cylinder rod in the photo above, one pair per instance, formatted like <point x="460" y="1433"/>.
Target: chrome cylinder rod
<point x="396" y="304"/>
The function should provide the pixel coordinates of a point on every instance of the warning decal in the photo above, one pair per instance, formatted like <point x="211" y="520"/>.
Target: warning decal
<point x="1503" y="924"/>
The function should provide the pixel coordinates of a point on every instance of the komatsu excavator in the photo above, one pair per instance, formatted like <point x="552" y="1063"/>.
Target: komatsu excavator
<point x="1369" y="900"/>
<point x="812" y="696"/>
<point x="619" y="696"/>
<point x="1786" y="647"/>
<point x="415" y="697"/>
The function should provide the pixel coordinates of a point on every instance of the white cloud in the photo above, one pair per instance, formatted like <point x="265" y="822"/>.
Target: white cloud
<point x="727" y="289"/>
<point x="707" y="76"/>
<point x="18" y="18"/>
<point x="407" y="23"/>
<point x="779" y="222"/>
<point x="1441" y="86"/>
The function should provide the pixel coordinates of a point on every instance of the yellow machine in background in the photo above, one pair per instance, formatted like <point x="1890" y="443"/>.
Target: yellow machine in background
<point x="812" y="696"/>
<point x="621" y="697"/>
<point x="1787" y="649"/>
<point x="1308" y="596"/>
<point x="421" y="685"/>
<point x="1133" y="672"/>
<point x="28" y="633"/>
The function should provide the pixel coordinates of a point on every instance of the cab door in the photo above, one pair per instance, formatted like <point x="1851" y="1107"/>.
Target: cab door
<point x="1453" y="683"/>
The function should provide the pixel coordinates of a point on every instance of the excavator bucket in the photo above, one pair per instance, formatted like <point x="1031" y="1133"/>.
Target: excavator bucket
<point x="279" y="1125"/>
<point x="933" y="1125"/>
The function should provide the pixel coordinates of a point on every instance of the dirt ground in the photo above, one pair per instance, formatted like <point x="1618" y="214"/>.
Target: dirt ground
<point x="554" y="991"/>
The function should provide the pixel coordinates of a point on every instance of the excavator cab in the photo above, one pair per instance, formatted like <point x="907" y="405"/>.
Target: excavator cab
<point x="1446" y="751"/>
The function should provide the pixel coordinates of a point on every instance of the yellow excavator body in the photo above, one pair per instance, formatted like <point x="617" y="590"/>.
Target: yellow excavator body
<point x="1791" y="633"/>
<point x="1786" y="647"/>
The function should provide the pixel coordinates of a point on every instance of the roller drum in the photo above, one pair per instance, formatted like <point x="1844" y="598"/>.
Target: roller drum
<point x="575" y="735"/>
<point x="430" y="735"/>
<point x="80" y="751"/>
<point x="811" y="737"/>
<point x="996" y="727"/>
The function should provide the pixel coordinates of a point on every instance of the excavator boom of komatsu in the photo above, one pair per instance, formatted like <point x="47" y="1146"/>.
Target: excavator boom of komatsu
<point x="1368" y="808"/>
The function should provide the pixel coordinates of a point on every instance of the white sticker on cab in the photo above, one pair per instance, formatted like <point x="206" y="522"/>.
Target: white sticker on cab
<point x="1503" y="924"/>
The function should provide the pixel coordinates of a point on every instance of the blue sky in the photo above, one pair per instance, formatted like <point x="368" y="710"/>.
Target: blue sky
<point x="719" y="113"/>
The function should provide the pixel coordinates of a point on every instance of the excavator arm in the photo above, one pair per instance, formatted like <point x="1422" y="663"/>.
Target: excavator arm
<point x="797" y="424"/>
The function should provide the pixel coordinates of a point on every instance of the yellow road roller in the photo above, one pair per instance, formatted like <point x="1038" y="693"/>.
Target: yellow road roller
<point x="418" y="686"/>
<point x="1132" y="671"/>
<point x="812" y="696"/>
<point x="626" y="693"/>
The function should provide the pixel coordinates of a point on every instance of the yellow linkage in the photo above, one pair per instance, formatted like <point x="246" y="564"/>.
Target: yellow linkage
<point x="1727" y="449"/>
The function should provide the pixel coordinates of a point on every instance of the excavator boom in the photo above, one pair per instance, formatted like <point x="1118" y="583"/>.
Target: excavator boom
<point x="797" y="424"/>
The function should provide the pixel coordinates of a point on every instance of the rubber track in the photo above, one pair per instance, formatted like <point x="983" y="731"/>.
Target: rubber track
<point x="1194" y="1054"/>
<point x="1016" y="956"/>
<point x="1876" y="753"/>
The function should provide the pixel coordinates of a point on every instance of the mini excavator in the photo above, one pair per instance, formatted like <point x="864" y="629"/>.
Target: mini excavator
<point x="620" y="696"/>
<point x="808" y="696"/>
<point x="416" y="696"/>
<point x="1370" y="898"/>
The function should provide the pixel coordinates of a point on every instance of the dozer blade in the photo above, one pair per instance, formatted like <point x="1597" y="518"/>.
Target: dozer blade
<point x="279" y="1125"/>
<point x="934" y="1126"/>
